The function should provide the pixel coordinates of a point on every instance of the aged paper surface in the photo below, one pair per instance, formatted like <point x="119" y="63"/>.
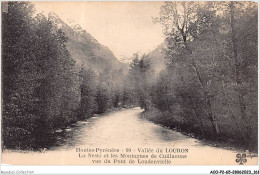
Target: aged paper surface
<point x="129" y="83"/>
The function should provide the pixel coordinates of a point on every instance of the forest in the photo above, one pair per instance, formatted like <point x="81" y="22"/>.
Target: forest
<point x="208" y="88"/>
<point x="44" y="89"/>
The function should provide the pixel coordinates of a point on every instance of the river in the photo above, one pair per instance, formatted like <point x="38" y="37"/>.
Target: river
<point x="125" y="129"/>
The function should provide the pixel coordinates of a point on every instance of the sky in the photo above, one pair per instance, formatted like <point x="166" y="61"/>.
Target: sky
<point x="124" y="27"/>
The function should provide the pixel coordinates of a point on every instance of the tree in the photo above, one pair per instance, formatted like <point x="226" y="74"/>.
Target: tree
<point x="41" y="81"/>
<point x="182" y="27"/>
<point x="19" y="77"/>
<point x="211" y="67"/>
<point x="88" y="93"/>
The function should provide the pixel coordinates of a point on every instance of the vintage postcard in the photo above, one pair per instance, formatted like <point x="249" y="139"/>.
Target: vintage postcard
<point x="129" y="83"/>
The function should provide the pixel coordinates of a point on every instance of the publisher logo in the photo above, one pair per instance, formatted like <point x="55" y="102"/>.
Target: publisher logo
<point x="241" y="159"/>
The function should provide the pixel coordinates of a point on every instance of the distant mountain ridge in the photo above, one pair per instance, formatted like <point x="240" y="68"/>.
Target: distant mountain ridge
<point x="157" y="58"/>
<point x="85" y="49"/>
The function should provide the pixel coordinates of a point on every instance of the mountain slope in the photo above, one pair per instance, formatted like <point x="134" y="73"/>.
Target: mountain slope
<point x="85" y="49"/>
<point x="157" y="58"/>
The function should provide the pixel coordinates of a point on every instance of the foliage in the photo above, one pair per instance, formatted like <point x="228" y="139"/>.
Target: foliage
<point x="211" y="56"/>
<point x="44" y="89"/>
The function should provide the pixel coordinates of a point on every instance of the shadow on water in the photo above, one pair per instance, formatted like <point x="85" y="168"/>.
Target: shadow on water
<point x="72" y="135"/>
<point x="162" y="133"/>
<point x="85" y="132"/>
<point x="165" y="134"/>
<point x="168" y="135"/>
<point x="75" y="134"/>
<point x="79" y="133"/>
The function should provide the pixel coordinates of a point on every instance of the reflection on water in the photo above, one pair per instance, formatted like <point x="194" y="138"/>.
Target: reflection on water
<point x="125" y="127"/>
<point x="168" y="135"/>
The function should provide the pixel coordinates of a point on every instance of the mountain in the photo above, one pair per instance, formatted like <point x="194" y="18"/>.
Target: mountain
<point x="85" y="49"/>
<point x="157" y="58"/>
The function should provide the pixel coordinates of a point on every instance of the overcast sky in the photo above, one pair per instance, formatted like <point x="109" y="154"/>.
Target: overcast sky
<point x="124" y="27"/>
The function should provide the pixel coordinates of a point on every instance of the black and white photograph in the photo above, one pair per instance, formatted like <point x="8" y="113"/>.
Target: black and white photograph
<point x="129" y="83"/>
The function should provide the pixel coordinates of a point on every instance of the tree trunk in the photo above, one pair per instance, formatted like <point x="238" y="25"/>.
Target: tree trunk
<point x="238" y="79"/>
<point x="208" y="106"/>
<point x="199" y="121"/>
<point x="231" y="112"/>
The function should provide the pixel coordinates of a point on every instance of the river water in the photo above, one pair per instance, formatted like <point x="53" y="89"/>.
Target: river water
<point x="126" y="129"/>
